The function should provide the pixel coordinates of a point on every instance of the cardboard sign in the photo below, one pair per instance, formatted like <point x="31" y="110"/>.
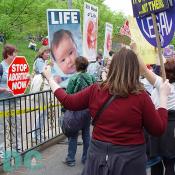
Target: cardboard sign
<point x="18" y="75"/>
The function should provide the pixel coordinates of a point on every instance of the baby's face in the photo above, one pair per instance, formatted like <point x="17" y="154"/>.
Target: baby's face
<point x="65" y="54"/>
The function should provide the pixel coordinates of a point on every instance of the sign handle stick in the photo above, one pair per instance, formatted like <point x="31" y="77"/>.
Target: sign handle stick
<point x="159" y="46"/>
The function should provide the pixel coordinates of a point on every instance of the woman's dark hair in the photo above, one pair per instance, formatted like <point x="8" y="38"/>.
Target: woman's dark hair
<point x="57" y="38"/>
<point x="8" y="50"/>
<point x="123" y="75"/>
<point x="81" y="64"/>
<point x="170" y="70"/>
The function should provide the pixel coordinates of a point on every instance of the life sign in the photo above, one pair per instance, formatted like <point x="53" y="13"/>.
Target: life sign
<point x="63" y="17"/>
<point x="146" y="7"/>
<point x="166" y="27"/>
<point x="18" y="75"/>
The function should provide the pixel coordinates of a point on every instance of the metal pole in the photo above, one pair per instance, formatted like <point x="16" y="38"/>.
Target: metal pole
<point x="69" y="4"/>
<point x="159" y="46"/>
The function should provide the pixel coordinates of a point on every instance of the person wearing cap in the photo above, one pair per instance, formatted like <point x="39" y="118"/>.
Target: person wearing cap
<point x="41" y="57"/>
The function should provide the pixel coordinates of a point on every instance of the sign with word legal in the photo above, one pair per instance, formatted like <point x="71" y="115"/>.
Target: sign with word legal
<point x="18" y="75"/>
<point x="90" y="31"/>
<point x="166" y="27"/>
<point x="146" y="7"/>
<point x="108" y="39"/>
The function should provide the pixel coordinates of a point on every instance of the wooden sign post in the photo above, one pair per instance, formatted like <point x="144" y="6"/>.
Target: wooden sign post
<point x="159" y="47"/>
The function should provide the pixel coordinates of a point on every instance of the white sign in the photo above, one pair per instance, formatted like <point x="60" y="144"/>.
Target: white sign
<point x="108" y="40"/>
<point x="90" y="31"/>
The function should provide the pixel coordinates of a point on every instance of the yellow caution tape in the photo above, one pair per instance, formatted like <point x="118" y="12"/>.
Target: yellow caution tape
<point x="13" y="112"/>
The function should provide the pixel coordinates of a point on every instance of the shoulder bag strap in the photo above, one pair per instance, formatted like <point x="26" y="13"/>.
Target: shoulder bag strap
<point x="103" y="107"/>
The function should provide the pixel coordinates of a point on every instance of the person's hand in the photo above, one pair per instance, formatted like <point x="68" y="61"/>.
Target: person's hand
<point x="47" y="72"/>
<point x="133" y="46"/>
<point x="165" y="88"/>
<point x="57" y="79"/>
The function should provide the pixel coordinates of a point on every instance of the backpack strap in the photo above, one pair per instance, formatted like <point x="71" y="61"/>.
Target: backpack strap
<point x="103" y="107"/>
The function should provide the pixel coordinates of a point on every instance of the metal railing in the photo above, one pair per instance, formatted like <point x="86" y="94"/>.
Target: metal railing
<point x="27" y="121"/>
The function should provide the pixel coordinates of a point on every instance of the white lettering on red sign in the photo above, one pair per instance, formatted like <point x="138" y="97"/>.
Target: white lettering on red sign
<point x="18" y="75"/>
<point x="19" y="67"/>
<point x="19" y="85"/>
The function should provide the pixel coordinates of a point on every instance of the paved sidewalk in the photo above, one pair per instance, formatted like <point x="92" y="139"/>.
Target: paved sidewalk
<point x="52" y="159"/>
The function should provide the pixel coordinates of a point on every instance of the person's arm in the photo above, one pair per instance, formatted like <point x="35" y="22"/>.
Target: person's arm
<point x="77" y="101"/>
<point x="149" y="75"/>
<point x="39" y="65"/>
<point x="156" y="120"/>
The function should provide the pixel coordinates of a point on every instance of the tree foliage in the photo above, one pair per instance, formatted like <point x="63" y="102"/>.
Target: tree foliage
<point x="19" y="18"/>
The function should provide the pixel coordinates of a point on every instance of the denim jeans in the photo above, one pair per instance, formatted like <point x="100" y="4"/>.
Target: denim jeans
<point x="72" y="144"/>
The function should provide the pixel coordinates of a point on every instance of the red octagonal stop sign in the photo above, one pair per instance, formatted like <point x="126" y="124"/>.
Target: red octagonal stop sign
<point x="18" y="75"/>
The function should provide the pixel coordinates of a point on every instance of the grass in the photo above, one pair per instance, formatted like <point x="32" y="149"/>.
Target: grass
<point x="23" y="50"/>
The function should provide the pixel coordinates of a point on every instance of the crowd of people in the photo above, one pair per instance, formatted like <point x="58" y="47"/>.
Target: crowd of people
<point x="142" y="104"/>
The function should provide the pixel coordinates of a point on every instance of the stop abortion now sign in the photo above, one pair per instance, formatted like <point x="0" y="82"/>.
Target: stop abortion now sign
<point x="18" y="75"/>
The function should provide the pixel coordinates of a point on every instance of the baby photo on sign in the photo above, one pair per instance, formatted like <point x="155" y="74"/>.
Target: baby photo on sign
<point x="65" y="40"/>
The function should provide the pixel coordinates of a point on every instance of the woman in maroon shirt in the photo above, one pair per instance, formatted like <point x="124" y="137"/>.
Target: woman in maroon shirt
<point x="118" y="146"/>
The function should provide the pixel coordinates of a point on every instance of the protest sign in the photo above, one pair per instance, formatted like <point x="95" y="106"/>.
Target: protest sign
<point x="146" y="50"/>
<point x="108" y="39"/>
<point x="18" y="75"/>
<point x="166" y="26"/>
<point x="125" y="30"/>
<point x="66" y="44"/>
<point x="90" y="31"/>
<point x="146" y="7"/>
<point x="158" y="29"/>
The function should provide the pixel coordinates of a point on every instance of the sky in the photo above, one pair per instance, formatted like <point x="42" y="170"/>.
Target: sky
<point x="122" y="5"/>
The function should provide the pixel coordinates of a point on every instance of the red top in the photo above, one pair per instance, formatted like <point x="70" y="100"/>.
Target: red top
<point x="45" y="42"/>
<point x="122" y="122"/>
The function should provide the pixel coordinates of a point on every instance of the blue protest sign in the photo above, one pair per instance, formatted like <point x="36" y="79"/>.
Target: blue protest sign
<point x="146" y="7"/>
<point x="166" y="27"/>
